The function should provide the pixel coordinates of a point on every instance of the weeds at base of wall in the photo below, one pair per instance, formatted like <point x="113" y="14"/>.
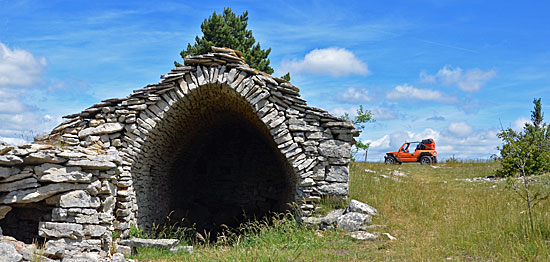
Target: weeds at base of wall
<point x="38" y="251"/>
<point x="228" y="236"/>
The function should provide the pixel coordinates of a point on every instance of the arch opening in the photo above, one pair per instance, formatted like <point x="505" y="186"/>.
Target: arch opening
<point x="22" y="221"/>
<point x="213" y="162"/>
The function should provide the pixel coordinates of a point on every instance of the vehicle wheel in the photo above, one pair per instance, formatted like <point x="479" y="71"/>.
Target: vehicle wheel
<point x="390" y="160"/>
<point x="425" y="160"/>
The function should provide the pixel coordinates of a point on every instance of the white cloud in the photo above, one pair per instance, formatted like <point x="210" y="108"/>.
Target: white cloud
<point x="19" y="71"/>
<point x="19" y="67"/>
<point x="354" y="95"/>
<point x="469" y="81"/>
<point x="18" y="127"/>
<point x="460" y="129"/>
<point x="381" y="143"/>
<point x="10" y="103"/>
<point x="426" y="78"/>
<point x="383" y="113"/>
<point x="340" y="111"/>
<point x="520" y="123"/>
<point x="329" y="61"/>
<point x="13" y="140"/>
<point x="411" y="93"/>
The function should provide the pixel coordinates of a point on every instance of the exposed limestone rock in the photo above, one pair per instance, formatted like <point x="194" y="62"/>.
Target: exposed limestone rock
<point x="55" y="248"/>
<point x="42" y="157"/>
<point x="362" y="235"/>
<point x="89" y="164"/>
<point x="352" y="221"/>
<point x="37" y="194"/>
<point x="107" y="128"/>
<point x="75" y="215"/>
<point x="30" y="182"/>
<point x="59" y="230"/>
<point x="17" y="176"/>
<point x="10" y="160"/>
<point x="389" y="237"/>
<point x="60" y="174"/>
<point x="335" y="149"/>
<point x="6" y="172"/>
<point x="358" y="206"/>
<point x="150" y="243"/>
<point x="4" y="148"/>
<point x="332" y="217"/>
<point x="8" y="253"/>
<point x="78" y="198"/>
<point x="338" y="174"/>
<point x="336" y="189"/>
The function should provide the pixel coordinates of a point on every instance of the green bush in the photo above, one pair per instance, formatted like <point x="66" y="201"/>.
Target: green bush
<point x="527" y="152"/>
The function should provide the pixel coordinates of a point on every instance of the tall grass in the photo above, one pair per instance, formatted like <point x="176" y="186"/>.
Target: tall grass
<point x="440" y="217"/>
<point x="434" y="213"/>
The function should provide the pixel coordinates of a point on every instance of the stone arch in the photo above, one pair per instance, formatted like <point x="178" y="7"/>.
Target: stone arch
<point x="242" y="121"/>
<point x="124" y="160"/>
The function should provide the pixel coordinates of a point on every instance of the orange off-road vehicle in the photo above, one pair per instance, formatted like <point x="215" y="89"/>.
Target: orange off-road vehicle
<point x="422" y="151"/>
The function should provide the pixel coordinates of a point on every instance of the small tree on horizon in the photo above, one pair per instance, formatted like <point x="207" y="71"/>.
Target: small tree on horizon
<point x="362" y="117"/>
<point x="230" y="30"/>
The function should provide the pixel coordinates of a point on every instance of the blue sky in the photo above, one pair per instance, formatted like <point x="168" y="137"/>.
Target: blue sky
<point x="451" y="70"/>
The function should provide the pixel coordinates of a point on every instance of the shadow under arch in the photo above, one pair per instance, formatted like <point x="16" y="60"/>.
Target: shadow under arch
<point x="209" y="161"/>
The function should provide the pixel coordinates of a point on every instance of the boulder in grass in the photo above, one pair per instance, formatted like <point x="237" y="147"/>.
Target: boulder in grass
<point x="149" y="243"/>
<point x="358" y="206"/>
<point x="362" y="235"/>
<point x="353" y="221"/>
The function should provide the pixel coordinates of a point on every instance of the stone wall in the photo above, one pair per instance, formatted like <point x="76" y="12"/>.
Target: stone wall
<point x="214" y="133"/>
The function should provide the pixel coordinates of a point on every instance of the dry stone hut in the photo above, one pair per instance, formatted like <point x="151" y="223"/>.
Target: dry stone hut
<point x="212" y="140"/>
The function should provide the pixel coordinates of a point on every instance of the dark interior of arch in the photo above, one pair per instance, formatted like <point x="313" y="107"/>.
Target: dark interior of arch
<point x="23" y="220"/>
<point x="220" y="165"/>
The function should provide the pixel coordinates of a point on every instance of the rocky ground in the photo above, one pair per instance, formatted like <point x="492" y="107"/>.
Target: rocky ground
<point x="355" y="219"/>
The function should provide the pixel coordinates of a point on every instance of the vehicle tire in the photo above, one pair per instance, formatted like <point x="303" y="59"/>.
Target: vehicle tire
<point x="390" y="160"/>
<point x="425" y="160"/>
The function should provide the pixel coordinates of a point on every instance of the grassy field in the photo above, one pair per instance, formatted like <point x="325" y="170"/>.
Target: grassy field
<point x="435" y="215"/>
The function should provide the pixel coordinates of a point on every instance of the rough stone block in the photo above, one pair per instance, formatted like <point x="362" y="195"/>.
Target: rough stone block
<point x="338" y="174"/>
<point x="78" y="198"/>
<point x="59" y="174"/>
<point x="107" y="128"/>
<point x="38" y="194"/>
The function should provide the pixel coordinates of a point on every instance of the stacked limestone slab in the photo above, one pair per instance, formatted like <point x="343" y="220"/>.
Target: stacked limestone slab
<point x="87" y="175"/>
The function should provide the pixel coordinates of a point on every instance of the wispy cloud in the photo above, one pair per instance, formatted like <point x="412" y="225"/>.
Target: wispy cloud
<point x="409" y="92"/>
<point x="329" y="61"/>
<point x="460" y="129"/>
<point x="436" y="118"/>
<point x="383" y="113"/>
<point x="469" y="81"/>
<point x="426" y="78"/>
<point x="10" y="102"/>
<point x="354" y="95"/>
